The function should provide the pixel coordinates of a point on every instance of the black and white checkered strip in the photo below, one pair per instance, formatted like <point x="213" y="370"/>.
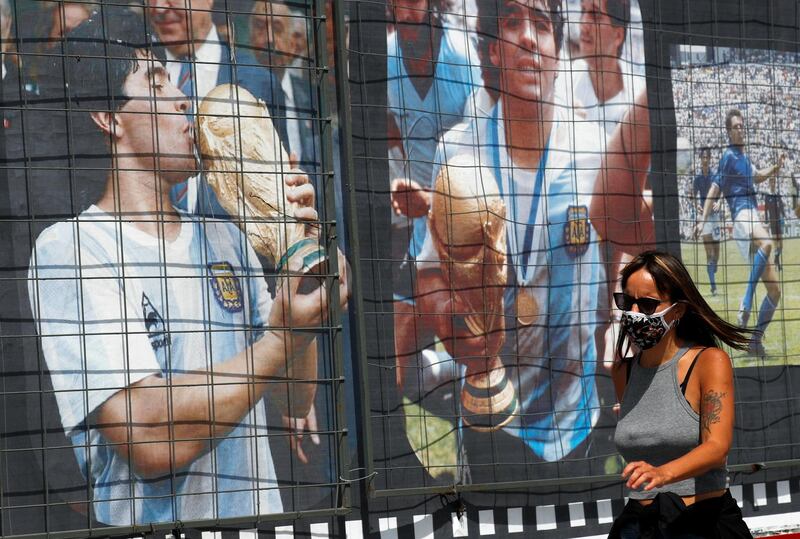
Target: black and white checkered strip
<point x="769" y="508"/>
<point x="572" y="520"/>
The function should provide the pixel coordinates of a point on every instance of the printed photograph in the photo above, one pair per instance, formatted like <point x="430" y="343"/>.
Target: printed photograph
<point x="519" y="146"/>
<point x="738" y="182"/>
<point x="169" y="355"/>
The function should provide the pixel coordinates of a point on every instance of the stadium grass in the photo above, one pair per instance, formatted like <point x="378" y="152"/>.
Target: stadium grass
<point x="782" y="340"/>
<point x="433" y="439"/>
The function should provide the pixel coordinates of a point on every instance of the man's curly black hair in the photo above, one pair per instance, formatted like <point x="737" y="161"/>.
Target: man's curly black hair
<point x="100" y="54"/>
<point x="490" y="13"/>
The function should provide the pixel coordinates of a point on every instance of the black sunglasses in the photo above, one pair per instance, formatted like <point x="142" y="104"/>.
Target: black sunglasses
<point x="624" y="302"/>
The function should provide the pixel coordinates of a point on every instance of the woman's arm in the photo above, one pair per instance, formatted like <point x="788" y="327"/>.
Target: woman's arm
<point x="715" y="374"/>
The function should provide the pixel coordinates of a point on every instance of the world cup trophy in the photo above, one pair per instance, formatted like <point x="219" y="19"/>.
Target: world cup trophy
<point x="467" y="224"/>
<point x="244" y="162"/>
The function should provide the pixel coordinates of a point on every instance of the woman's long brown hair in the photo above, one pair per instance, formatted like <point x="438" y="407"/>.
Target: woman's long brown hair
<point x="700" y="324"/>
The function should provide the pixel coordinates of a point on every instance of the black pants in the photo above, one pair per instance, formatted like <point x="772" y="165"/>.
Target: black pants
<point x="669" y="518"/>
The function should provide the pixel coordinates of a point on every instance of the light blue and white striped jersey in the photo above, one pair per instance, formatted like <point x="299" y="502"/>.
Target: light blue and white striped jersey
<point x="115" y="305"/>
<point x="553" y="361"/>
<point x="422" y="120"/>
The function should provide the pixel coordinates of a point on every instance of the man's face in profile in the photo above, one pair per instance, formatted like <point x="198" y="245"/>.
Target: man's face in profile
<point x="153" y="121"/>
<point x="181" y="25"/>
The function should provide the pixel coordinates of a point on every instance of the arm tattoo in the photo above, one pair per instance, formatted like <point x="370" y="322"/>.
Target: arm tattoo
<point x="711" y="408"/>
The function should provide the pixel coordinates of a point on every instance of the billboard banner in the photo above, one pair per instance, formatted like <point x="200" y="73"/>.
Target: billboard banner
<point x="265" y="261"/>
<point x="171" y="287"/>
<point x="518" y="142"/>
<point x="738" y="185"/>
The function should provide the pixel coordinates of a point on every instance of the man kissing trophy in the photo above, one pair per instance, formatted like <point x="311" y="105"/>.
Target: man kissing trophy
<point x="244" y="163"/>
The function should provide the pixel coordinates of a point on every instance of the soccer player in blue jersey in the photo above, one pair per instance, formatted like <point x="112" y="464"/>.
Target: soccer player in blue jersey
<point x="530" y="147"/>
<point x="736" y="179"/>
<point x="711" y="233"/>
<point x="157" y="327"/>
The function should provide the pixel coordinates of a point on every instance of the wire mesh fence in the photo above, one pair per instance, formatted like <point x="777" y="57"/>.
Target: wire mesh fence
<point x="258" y="252"/>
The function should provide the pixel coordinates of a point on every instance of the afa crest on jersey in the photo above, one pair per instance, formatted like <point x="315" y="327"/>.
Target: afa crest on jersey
<point x="577" y="231"/>
<point x="226" y="286"/>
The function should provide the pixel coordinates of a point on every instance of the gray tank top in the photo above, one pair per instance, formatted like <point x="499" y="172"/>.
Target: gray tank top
<point x="656" y="424"/>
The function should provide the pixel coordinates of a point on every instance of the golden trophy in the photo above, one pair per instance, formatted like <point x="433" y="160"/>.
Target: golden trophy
<point x="467" y="224"/>
<point x="245" y="162"/>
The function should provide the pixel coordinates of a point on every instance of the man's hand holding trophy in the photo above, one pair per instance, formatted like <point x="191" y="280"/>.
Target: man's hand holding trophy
<point x="245" y="162"/>
<point x="467" y="225"/>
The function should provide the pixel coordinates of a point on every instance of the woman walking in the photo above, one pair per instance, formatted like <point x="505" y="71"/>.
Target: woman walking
<point x="676" y="405"/>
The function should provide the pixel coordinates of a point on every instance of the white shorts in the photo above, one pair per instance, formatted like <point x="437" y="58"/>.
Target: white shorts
<point x="713" y="227"/>
<point x="743" y="228"/>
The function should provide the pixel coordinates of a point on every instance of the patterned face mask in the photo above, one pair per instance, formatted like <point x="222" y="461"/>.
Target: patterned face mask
<point x="645" y="331"/>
